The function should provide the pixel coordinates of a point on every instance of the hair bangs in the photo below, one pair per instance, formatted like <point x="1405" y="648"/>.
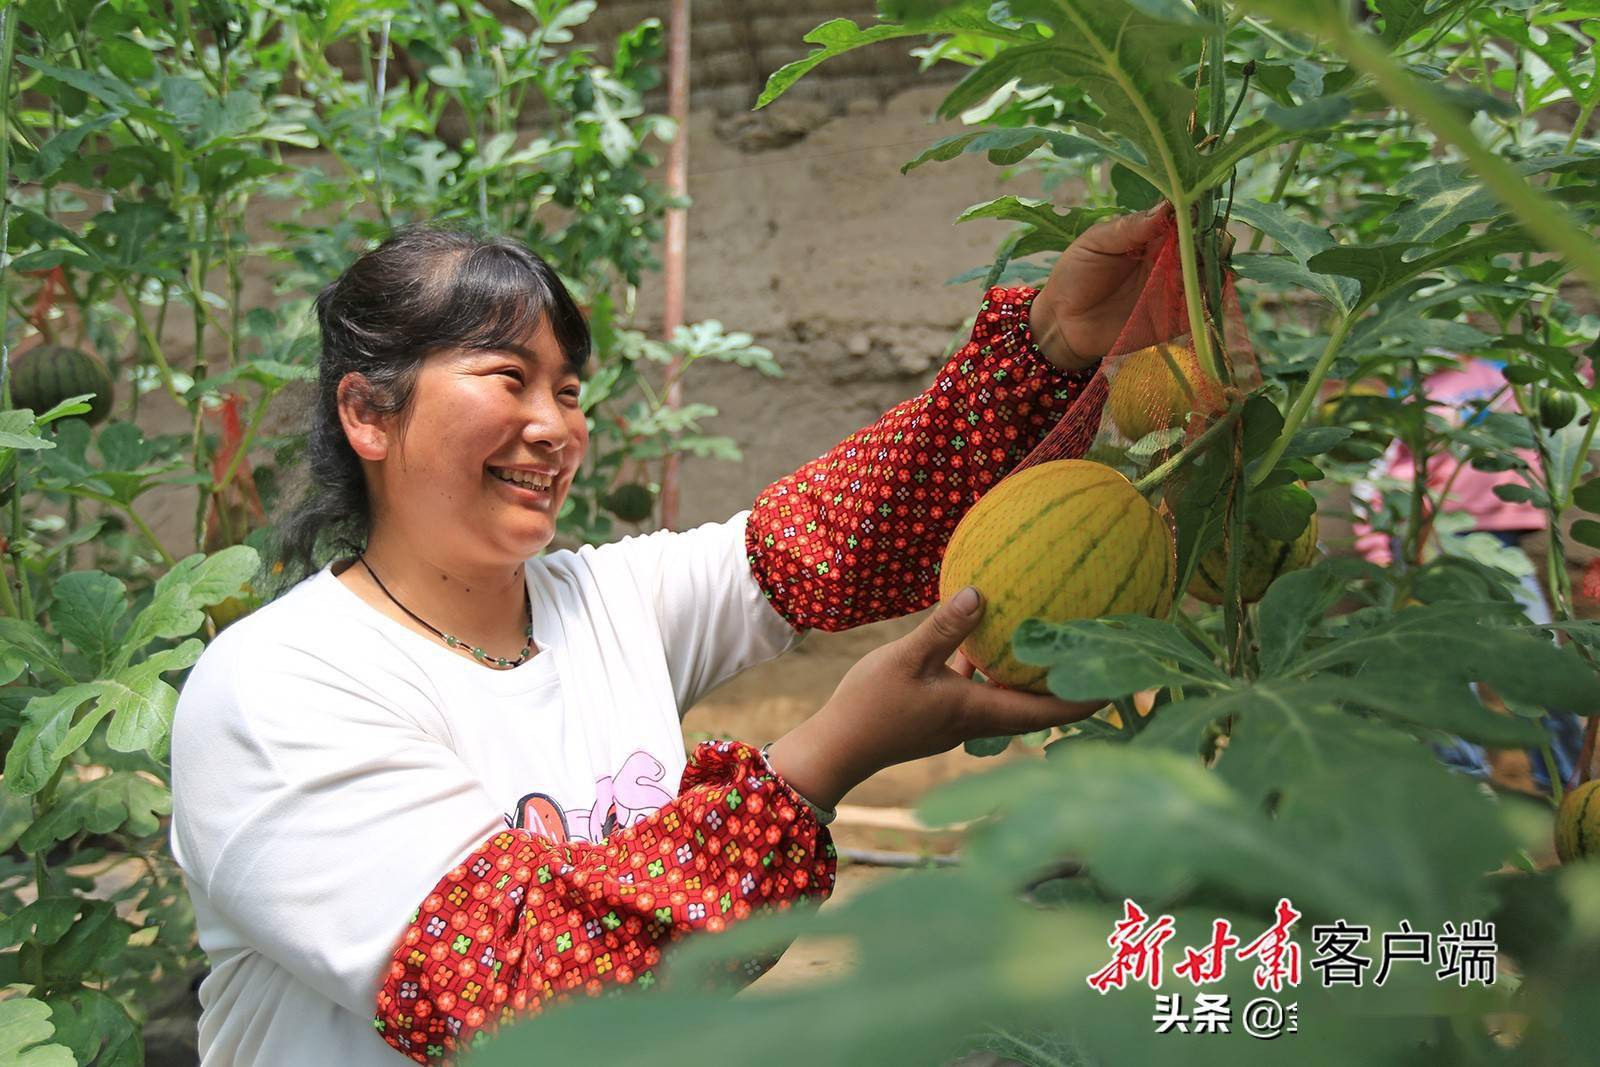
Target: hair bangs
<point x="496" y="297"/>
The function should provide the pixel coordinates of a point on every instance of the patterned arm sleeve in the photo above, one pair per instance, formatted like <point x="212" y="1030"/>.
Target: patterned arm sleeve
<point x="856" y="535"/>
<point x="523" y="921"/>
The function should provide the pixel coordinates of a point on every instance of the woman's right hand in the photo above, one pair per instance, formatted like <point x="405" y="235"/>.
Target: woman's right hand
<point x="904" y="702"/>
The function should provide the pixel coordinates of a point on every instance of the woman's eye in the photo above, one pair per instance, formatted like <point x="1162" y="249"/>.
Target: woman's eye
<point x="511" y="372"/>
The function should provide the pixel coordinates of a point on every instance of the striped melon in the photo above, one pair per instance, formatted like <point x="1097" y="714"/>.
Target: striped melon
<point x="43" y="377"/>
<point x="1263" y="560"/>
<point x="1578" y="823"/>
<point x="1145" y="397"/>
<point x="1063" y="540"/>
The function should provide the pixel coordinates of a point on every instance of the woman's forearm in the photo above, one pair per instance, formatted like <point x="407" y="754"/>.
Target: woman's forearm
<point x="856" y="535"/>
<point x="523" y="921"/>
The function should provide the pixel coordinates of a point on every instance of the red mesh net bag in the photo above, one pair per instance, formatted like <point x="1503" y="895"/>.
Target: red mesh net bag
<point x="1135" y="409"/>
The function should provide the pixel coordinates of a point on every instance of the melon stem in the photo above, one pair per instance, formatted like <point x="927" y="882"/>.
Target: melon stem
<point x="1157" y="475"/>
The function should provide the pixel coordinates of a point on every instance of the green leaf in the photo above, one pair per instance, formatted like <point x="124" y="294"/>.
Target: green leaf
<point x="1586" y="532"/>
<point x="46" y="720"/>
<point x="1382" y="267"/>
<point x="24" y="1027"/>
<point x="42" y="653"/>
<point x="12" y="664"/>
<point x="96" y="939"/>
<point x="1125" y="60"/>
<point x="1587" y="496"/>
<point x="16" y="814"/>
<point x="18" y="430"/>
<point x="1446" y="196"/>
<point x="193" y="583"/>
<point x="1280" y="512"/>
<point x="1099" y="659"/>
<point x="143" y="704"/>
<point x="987" y="746"/>
<point x="62" y="147"/>
<point x="96" y="1028"/>
<point x="838" y="36"/>
<point x="1292" y="606"/>
<point x="1059" y="230"/>
<point x="87" y="607"/>
<point x="1520" y="666"/>
<point x="1404" y="18"/>
<point x="101" y="806"/>
<point x="1316" y="114"/>
<point x="1005" y="147"/>
<point x="44" y="922"/>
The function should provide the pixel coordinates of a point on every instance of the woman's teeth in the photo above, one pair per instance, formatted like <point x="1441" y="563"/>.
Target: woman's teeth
<point x="526" y="479"/>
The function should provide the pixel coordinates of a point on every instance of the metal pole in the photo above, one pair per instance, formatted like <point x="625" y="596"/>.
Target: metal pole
<point x="677" y="230"/>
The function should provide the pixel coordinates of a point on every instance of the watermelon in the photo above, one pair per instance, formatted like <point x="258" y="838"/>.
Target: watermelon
<point x="1578" y="823"/>
<point x="43" y="377"/>
<point x="1145" y="396"/>
<point x="1264" y="559"/>
<point x="1557" y="407"/>
<point x="1064" y="540"/>
<point x="630" y="503"/>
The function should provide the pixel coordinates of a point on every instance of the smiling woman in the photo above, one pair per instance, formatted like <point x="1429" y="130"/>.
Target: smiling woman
<point x="381" y="805"/>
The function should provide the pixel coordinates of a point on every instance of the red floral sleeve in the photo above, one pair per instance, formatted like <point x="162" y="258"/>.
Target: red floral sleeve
<point x="523" y="921"/>
<point x="856" y="535"/>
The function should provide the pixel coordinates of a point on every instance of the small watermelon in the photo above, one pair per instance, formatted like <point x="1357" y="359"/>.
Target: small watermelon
<point x="1557" y="407"/>
<point x="1578" y="823"/>
<point x="1263" y="560"/>
<point x="43" y="377"/>
<point x="630" y="503"/>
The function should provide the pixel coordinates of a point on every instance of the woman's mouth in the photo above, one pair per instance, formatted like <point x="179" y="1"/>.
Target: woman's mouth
<point x="526" y="486"/>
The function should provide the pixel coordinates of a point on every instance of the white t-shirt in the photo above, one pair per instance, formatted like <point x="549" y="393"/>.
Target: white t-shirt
<point x="330" y="765"/>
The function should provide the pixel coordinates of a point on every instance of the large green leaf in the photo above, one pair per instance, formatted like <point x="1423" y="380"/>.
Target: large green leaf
<point x="30" y="761"/>
<point x="1126" y="60"/>
<point x="43" y="922"/>
<point x="87" y="607"/>
<point x="1099" y="659"/>
<point x="1005" y="147"/>
<point x="193" y="583"/>
<point x="838" y="36"/>
<point x="142" y="704"/>
<point x="24" y="1029"/>
<point x="1404" y="18"/>
<point x="1054" y="231"/>
<point x="101" y="806"/>
<point x="39" y="650"/>
<point x="93" y="942"/>
<point x="96" y="1028"/>
<point x="1385" y="266"/>
<point x="1447" y="196"/>
<point x="1457" y="643"/>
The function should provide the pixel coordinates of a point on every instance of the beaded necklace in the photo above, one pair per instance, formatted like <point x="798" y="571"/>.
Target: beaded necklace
<point x="450" y="639"/>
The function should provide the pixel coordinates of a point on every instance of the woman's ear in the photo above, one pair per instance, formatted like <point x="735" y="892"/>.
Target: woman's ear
<point x="365" y="427"/>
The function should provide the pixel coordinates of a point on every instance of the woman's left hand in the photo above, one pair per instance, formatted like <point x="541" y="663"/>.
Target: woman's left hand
<point x="1093" y="289"/>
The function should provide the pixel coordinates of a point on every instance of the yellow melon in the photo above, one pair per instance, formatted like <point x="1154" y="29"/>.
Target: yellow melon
<point x="1145" y="396"/>
<point x="1263" y="560"/>
<point x="1063" y="540"/>
<point x="1578" y="823"/>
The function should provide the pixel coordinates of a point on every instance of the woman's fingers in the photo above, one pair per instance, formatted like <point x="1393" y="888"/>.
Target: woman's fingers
<point x="1125" y="233"/>
<point x="962" y="665"/>
<point x="992" y="711"/>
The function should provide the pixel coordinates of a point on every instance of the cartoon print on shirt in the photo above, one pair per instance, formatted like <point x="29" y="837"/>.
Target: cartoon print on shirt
<point x="621" y="800"/>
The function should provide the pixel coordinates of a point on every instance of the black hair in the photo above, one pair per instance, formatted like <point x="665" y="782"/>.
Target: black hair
<point x="426" y="287"/>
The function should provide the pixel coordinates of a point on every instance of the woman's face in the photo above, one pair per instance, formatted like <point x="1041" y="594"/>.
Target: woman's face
<point x="478" y="471"/>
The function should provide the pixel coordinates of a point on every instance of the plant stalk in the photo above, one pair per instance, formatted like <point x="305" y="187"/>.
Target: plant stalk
<point x="1308" y="396"/>
<point x="1157" y="475"/>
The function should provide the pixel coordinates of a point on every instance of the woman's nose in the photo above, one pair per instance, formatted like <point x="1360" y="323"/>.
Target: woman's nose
<point x="547" y="424"/>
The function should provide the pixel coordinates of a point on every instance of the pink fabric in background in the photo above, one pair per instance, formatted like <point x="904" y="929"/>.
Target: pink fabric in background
<point x="1473" y="490"/>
